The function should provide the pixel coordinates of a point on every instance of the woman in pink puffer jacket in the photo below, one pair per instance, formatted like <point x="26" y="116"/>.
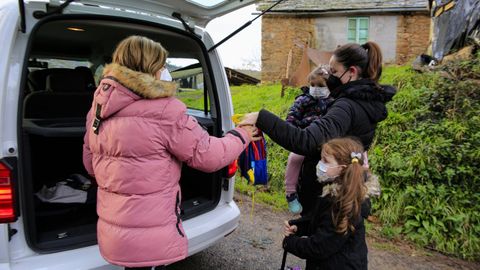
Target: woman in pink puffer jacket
<point x="138" y="135"/>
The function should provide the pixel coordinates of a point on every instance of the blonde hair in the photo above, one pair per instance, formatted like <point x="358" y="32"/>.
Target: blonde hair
<point x="140" y="54"/>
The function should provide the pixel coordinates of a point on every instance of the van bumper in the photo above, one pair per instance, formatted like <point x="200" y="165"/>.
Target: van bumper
<point x="205" y="230"/>
<point x="202" y="231"/>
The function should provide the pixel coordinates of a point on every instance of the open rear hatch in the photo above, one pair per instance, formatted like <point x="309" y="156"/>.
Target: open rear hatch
<point x="53" y="123"/>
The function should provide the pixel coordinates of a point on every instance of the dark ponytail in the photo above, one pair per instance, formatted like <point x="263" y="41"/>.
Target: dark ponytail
<point x="374" y="66"/>
<point x="367" y="57"/>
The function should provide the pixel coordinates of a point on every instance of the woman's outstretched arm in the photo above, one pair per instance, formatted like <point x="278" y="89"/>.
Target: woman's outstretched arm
<point x="335" y="123"/>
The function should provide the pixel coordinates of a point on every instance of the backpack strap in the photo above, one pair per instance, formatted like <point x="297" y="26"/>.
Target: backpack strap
<point x="98" y="119"/>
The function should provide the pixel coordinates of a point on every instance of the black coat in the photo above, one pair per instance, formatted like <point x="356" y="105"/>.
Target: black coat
<point x="322" y="246"/>
<point x="354" y="112"/>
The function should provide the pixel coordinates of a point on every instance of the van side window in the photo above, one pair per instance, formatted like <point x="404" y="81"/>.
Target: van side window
<point x="188" y="74"/>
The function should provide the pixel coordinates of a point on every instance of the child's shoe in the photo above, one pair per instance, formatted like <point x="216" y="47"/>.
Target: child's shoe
<point x="293" y="204"/>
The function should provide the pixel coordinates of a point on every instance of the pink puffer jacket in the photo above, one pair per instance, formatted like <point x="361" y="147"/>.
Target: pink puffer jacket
<point x="143" y="137"/>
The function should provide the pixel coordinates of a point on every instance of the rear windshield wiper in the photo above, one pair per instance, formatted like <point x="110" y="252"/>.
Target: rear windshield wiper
<point x="41" y="14"/>
<point x="243" y="26"/>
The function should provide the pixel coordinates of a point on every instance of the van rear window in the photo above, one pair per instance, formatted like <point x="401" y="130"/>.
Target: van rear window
<point x="188" y="74"/>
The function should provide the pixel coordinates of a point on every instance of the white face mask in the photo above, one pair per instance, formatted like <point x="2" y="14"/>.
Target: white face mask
<point x="322" y="176"/>
<point x="319" y="92"/>
<point x="165" y="76"/>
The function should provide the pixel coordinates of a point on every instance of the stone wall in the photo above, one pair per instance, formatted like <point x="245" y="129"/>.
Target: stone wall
<point x="412" y="36"/>
<point x="279" y="34"/>
<point x="401" y="37"/>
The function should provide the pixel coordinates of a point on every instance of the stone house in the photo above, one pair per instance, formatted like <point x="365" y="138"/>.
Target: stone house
<point x="400" y="27"/>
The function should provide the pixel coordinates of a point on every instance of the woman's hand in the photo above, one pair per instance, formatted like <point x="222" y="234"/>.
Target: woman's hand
<point x="249" y="119"/>
<point x="252" y="132"/>
<point x="289" y="229"/>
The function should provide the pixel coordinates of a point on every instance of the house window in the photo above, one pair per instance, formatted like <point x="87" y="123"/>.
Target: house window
<point x="358" y="29"/>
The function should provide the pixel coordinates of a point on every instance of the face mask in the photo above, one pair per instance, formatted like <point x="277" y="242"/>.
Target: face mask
<point x="165" y="76"/>
<point x="322" y="176"/>
<point x="319" y="92"/>
<point x="333" y="82"/>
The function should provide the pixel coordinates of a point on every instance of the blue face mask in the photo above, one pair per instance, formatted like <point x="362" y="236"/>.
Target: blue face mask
<point x="322" y="176"/>
<point x="319" y="92"/>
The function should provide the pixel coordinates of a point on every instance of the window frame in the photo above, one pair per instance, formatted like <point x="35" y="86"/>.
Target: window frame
<point x="357" y="29"/>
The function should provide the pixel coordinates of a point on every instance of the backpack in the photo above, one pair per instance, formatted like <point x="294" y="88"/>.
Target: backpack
<point x="253" y="163"/>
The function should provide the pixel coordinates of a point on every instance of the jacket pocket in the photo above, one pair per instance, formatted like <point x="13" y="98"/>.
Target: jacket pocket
<point x="177" y="213"/>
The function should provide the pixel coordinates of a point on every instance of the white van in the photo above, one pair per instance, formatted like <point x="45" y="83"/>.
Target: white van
<point x="50" y="45"/>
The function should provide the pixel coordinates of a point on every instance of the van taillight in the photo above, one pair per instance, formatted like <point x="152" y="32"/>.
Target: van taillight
<point x="232" y="169"/>
<point x="7" y="208"/>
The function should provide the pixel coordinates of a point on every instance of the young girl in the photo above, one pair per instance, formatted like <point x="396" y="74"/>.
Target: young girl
<point x="138" y="136"/>
<point x="333" y="236"/>
<point x="308" y="107"/>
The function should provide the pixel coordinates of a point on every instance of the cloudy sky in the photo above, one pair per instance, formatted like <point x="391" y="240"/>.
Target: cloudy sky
<point x="243" y="50"/>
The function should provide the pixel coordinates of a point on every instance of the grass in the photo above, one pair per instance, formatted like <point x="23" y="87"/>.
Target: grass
<point x="251" y="98"/>
<point x="274" y="199"/>
<point x="385" y="246"/>
<point x="192" y="98"/>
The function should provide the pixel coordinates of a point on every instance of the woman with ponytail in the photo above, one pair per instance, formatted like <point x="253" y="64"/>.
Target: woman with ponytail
<point x="333" y="235"/>
<point x="359" y="105"/>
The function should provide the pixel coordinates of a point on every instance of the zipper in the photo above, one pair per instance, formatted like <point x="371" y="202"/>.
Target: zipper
<point x="177" y="213"/>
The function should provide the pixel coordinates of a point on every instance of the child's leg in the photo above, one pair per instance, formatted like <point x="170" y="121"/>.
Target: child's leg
<point x="294" y="165"/>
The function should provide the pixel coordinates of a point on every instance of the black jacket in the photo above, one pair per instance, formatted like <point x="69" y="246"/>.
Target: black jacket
<point x="354" y="112"/>
<point x="322" y="246"/>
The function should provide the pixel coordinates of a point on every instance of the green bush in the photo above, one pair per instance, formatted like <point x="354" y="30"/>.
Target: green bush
<point x="427" y="154"/>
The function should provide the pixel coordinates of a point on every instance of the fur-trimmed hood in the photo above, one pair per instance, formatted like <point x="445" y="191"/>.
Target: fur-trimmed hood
<point x="121" y="86"/>
<point x="371" y="184"/>
<point x="142" y="84"/>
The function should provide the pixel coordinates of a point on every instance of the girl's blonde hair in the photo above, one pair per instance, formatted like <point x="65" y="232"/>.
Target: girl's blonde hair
<point x="140" y="54"/>
<point x="348" y="202"/>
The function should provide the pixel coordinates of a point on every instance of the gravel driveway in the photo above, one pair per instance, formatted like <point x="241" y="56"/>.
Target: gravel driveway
<point x="256" y="244"/>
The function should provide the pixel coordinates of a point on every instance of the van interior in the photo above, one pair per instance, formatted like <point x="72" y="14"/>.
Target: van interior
<point x="65" y="62"/>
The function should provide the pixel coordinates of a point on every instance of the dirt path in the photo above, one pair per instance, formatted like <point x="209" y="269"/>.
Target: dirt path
<point x="256" y="244"/>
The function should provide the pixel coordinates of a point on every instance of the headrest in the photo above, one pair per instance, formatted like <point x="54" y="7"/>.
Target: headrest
<point x="88" y="76"/>
<point x="38" y="78"/>
<point x="66" y="82"/>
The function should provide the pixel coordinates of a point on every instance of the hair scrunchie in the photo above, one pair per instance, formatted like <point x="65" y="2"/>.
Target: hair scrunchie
<point x="355" y="157"/>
